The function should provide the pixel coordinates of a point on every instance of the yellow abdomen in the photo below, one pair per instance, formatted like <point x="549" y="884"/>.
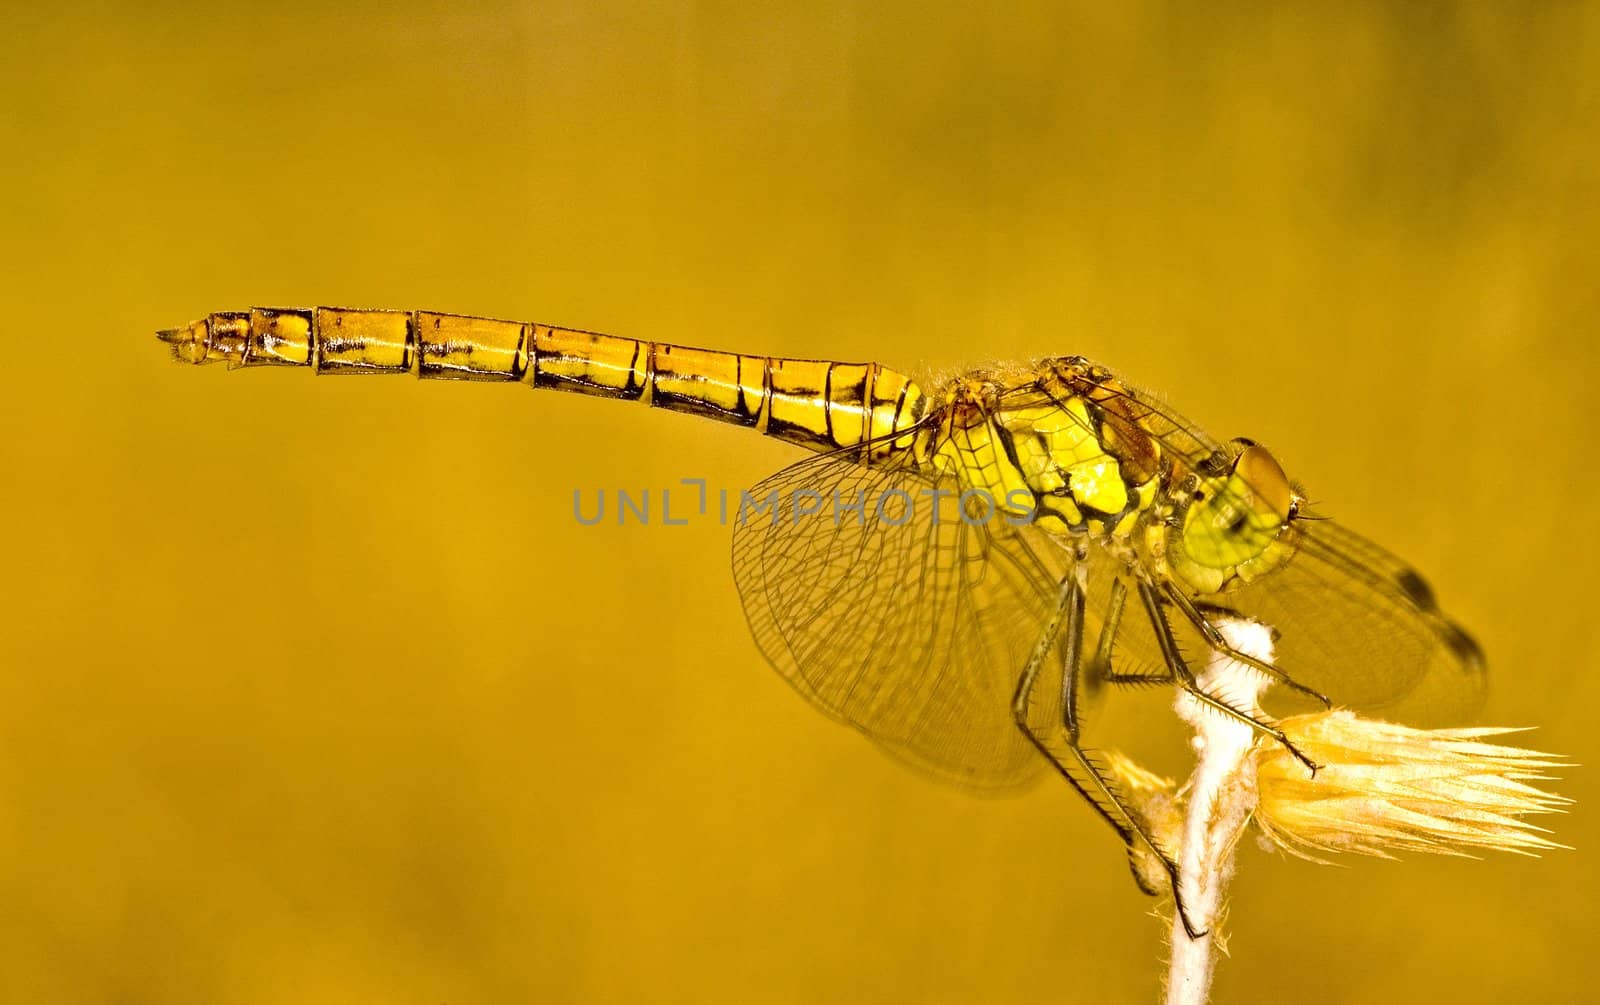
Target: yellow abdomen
<point x="820" y="404"/>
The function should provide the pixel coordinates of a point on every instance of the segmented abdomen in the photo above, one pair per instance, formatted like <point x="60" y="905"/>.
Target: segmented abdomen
<point x="819" y="404"/>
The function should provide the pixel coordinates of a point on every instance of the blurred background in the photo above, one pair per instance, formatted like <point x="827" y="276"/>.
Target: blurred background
<point x="313" y="688"/>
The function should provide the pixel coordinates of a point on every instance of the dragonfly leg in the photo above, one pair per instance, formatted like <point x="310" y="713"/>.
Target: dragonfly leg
<point x="1100" y="669"/>
<point x="1186" y="678"/>
<point x="1058" y="741"/>
<point x="1150" y="677"/>
<point x="1071" y="659"/>
<point x="1221" y="645"/>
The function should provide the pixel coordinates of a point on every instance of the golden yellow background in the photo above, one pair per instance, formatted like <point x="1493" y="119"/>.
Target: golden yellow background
<point x="314" y="691"/>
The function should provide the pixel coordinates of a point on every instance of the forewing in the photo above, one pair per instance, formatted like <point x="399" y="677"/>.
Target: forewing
<point x="900" y="617"/>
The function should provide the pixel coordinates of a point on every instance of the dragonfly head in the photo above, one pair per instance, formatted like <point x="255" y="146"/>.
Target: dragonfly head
<point x="1234" y="524"/>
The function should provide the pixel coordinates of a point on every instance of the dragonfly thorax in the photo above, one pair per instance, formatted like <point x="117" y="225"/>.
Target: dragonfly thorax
<point x="1047" y="443"/>
<point x="1064" y="446"/>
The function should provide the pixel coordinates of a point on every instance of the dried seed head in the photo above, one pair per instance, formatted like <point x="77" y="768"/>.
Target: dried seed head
<point x="1385" y="788"/>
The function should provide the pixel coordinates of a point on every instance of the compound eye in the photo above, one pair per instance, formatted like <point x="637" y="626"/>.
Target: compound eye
<point x="1259" y="470"/>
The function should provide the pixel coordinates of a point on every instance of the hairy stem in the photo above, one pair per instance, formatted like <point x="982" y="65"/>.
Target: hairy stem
<point x="1221" y="796"/>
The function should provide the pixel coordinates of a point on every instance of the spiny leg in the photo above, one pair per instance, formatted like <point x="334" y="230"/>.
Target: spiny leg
<point x="1140" y="678"/>
<point x="1186" y="678"/>
<point x="1074" y="653"/>
<point x="1101" y="669"/>
<point x="1221" y="645"/>
<point x="1093" y="786"/>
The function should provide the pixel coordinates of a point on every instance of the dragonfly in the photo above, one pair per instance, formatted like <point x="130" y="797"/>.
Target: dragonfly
<point x="959" y="567"/>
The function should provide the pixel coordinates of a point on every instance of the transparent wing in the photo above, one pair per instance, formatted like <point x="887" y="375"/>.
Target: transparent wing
<point x="1362" y="627"/>
<point x="896" y="615"/>
<point x="1355" y="623"/>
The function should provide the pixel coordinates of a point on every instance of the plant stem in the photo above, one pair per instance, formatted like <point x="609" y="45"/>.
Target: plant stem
<point x="1221" y="799"/>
